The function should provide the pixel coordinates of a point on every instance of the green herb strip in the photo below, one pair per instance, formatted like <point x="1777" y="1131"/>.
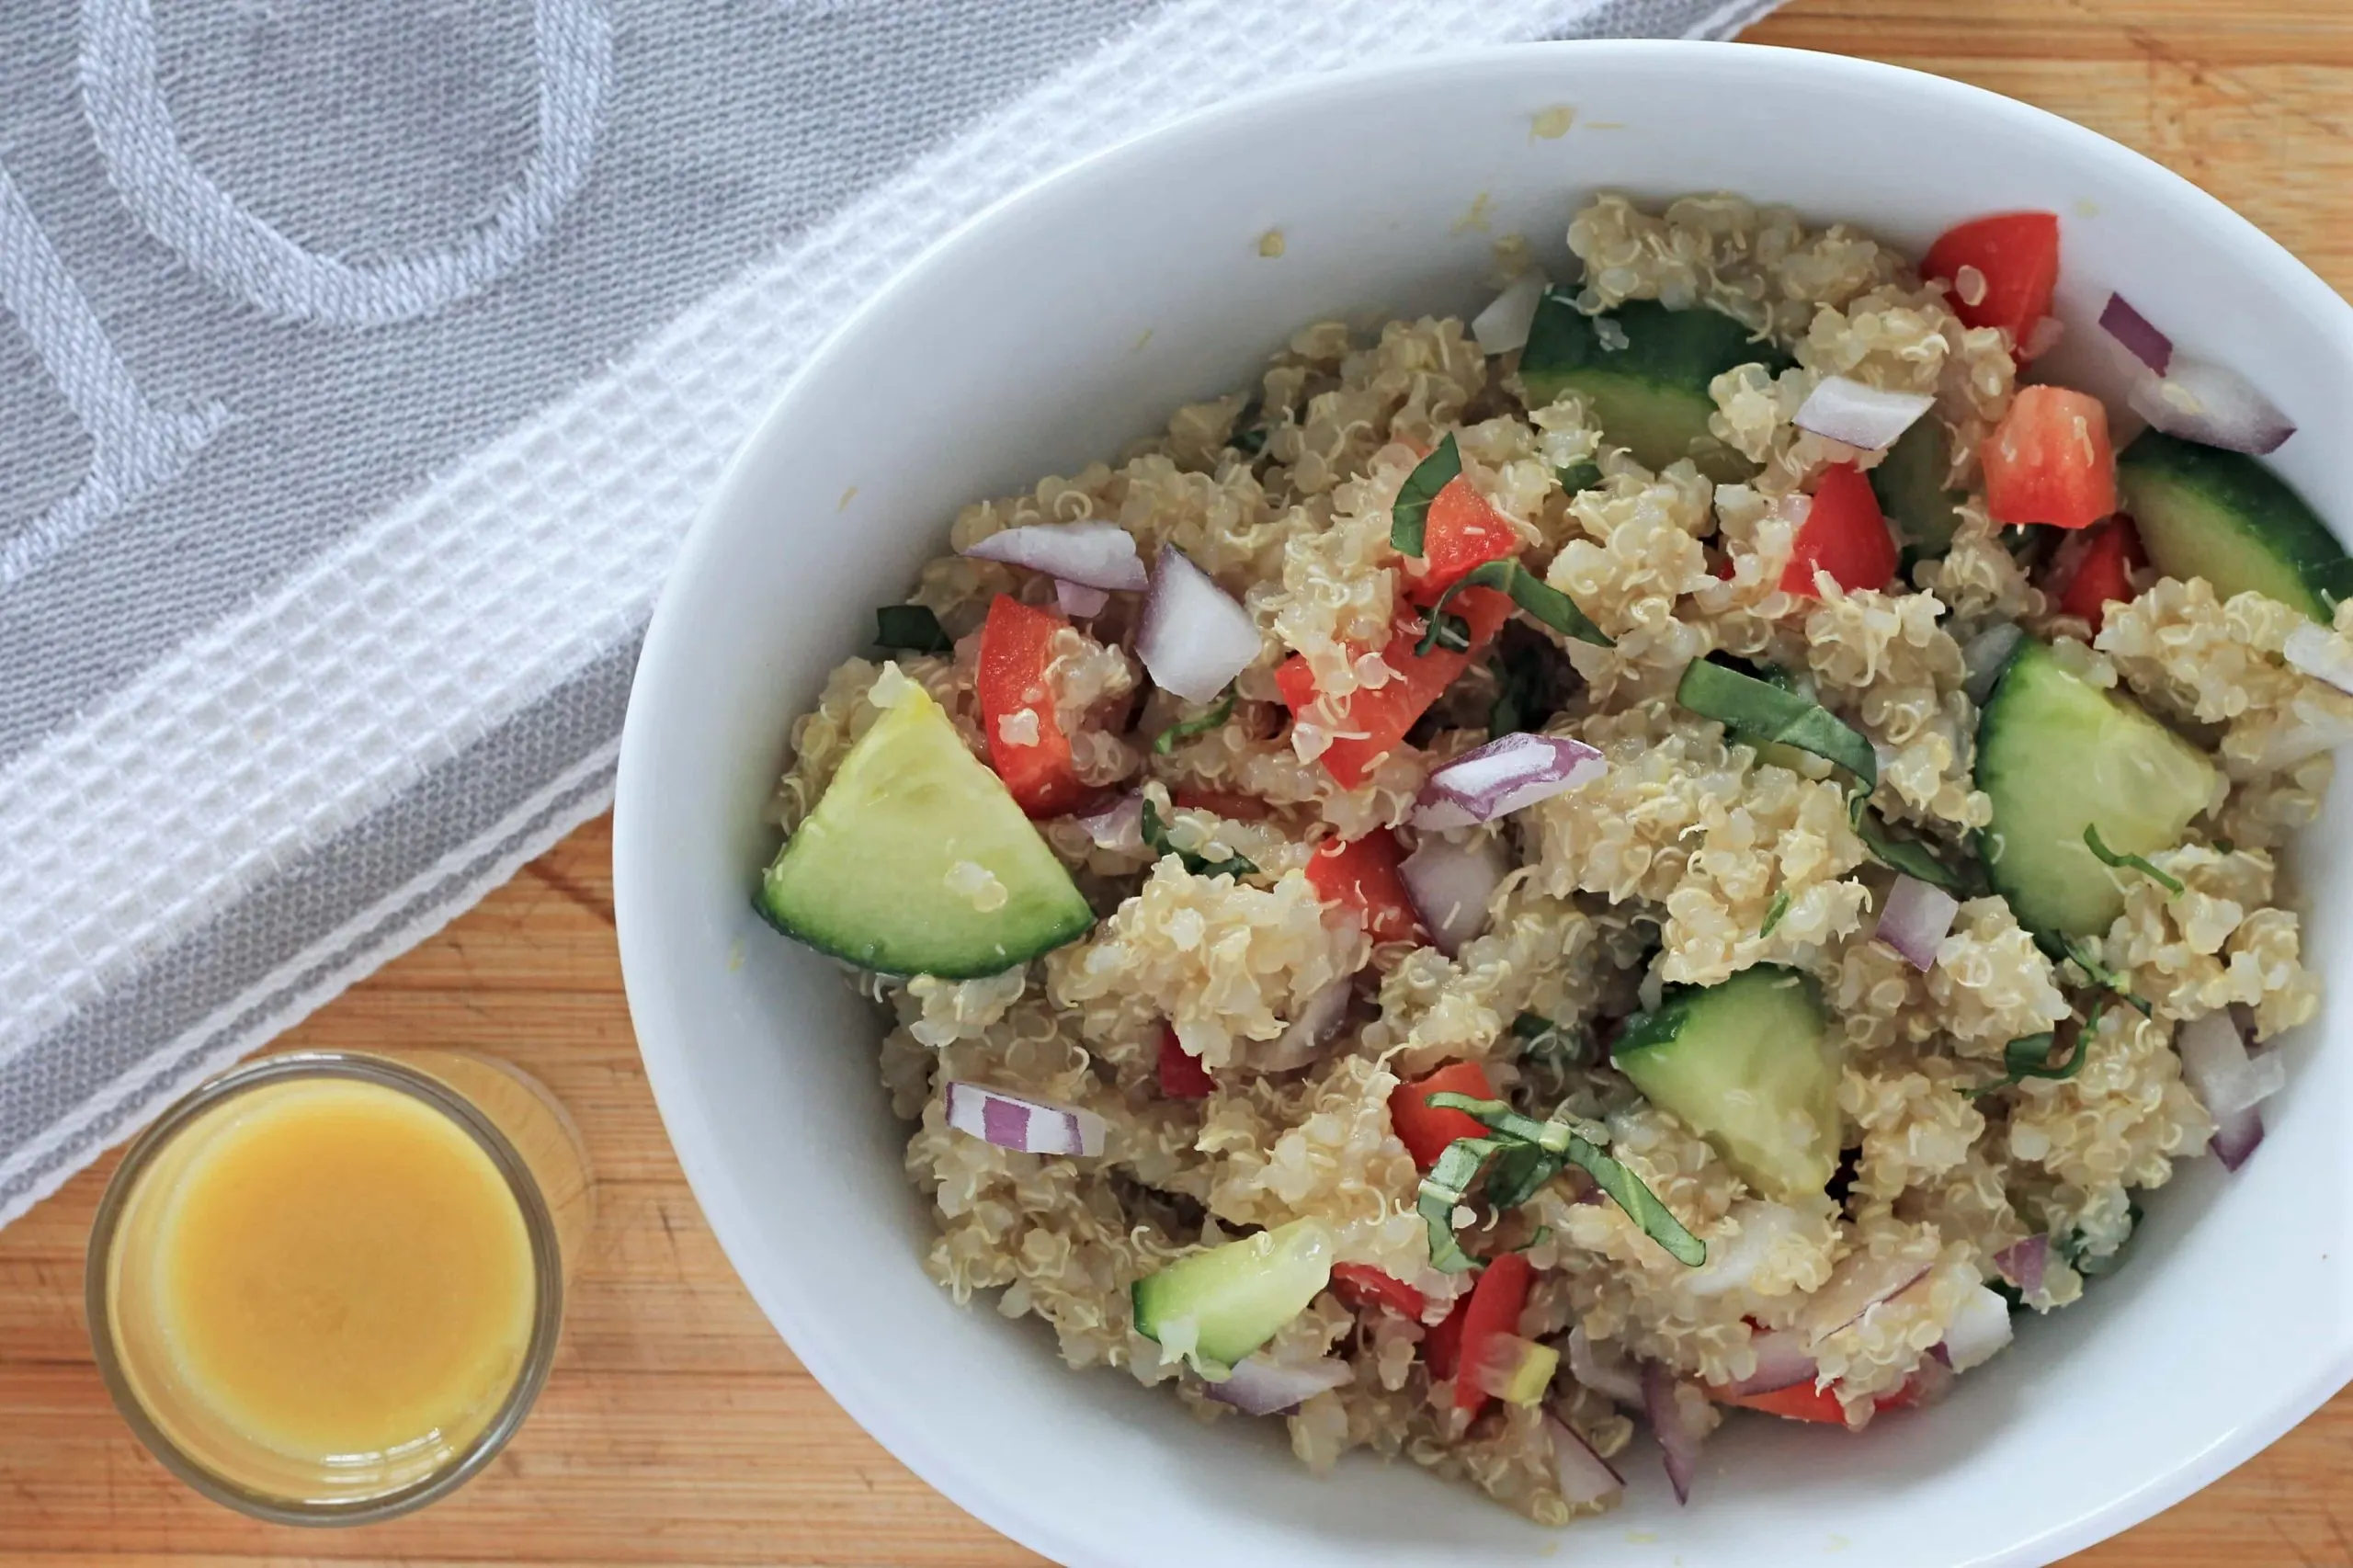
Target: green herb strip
<point x="2030" y="1057"/>
<point x="1530" y="592"/>
<point x="1442" y="1192"/>
<point x="1780" y="906"/>
<point x="2085" y="954"/>
<point x="1762" y="713"/>
<point x="1451" y="632"/>
<point x="1201" y="723"/>
<point x="911" y="627"/>
<point x="2108" y="856"/>
<point x="1580" y="476"/>
<point x="1411" y="515"/>
<point x="1249" y="437"/>
<point x="1907" y="855"/>
<point x="1549" y="1146"/>
<point x="1155" y="838"/>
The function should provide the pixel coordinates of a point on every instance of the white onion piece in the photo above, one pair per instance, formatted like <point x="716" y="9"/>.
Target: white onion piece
<point x="1861" y="1282"/>
<point x="2216" y="1065"/>
<point x="1118" y="826"/>
<point x="1603" y="1367"/>
<point x="1728" y="1266"/>
<point x="2022" y="1263"/>
<point x="1585" y="1476"/>
<point x="1985" y="656"/>
<point x="2236" y="1137"/>
<point x="1915" y="919"/>
<point x="1502" y="777"/>
<point x="2139" y="336"/>
<point x="1194" y="638"/>
<point x="1450" y="885"/>
<point x="1099" y="554"/>
<point x="1031" y="1126"/>
<point x="1078" y="600"/>
<point x="2200" y="400"/>
<point x="1319" y="1020"/>
<point x="1678" y="1436"/>
<point x="1503" y="326"/>
<point x="2320" y="653"/>
<point x="1260" y="1387"/>
<point x="1864" y="416"/>
<point x="1782" y="1361"/>
<point x="1979" y="1327"/>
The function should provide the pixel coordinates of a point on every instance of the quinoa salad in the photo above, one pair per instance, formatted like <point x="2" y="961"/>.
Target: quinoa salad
<point x="1683" y="849"/>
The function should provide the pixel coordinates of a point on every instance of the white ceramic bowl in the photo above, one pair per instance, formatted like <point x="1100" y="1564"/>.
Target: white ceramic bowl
<point x="1018" y="347"/>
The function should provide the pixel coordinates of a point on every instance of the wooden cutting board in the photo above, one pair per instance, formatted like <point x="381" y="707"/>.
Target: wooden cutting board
<point x="677" y="1428"/>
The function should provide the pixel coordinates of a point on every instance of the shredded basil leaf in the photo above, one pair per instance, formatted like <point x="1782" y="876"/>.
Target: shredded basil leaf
<point x="1530" y="592"/>
<point x="2224" y="846"/>
<point x="1155" y="838"/>
<point x="1442" y="1191"/>
<point x="1773" y="915"/>
<point x="1186" y="729"/>
<point x="1543" y="1233"/>
<point x="1762" y="713"/>
<point x="1249" y="436"/>
<point x="2108" y="856"/>
<point x="1451" y="632"/>
<point x="1555" y="1144"/>
<point x="1640" y="1204"/>
<point x="1580" y="476"/>
<point x="2084" y="953"/>
<point x="2029" y="1056"/>
<point x="1411" y="515"/>
<point x="1906" y="855"/>
<point x="911" y="627"/>
<point x="1518" y="1173"/>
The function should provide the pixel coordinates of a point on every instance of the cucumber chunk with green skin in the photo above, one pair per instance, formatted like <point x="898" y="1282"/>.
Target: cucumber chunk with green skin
<point x="1749" y="1064"/>
<point x="2056" y="754"/>
<point x="2204" y="512"/>
<point x="1910" y="484"/>
<point x="900" y="866"/>
<point x="1218" y="1306"/>
<point x="1650" y="396"/>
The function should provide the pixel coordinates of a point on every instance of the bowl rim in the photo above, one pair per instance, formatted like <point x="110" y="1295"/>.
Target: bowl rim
<point x="637" y="839"/>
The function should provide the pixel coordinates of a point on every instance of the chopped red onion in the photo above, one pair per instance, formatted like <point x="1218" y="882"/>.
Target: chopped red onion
<point x="1864" y="416"/>
<point x="1915" y="919"/>
<point x="1116" y="825"/>
<point x="1585" y="1476"/>
<point x="1260" y="1387"/>
<point x="1782" y="1361"/>
<point x="1985" y="656"/>
<point x="1098" y="554"/>
<point x="2200" y="400"/>
<point x="1679" y="1436"/>
<point x="1450" y="885"/>
<point x="1078" y="600"/>
<point x="1032" y="1127"/>
<point x="1603" y="1367"/>
<point x="2216" y="1065"/>
<point x="1503" y="776"/>
<point x="1503" y="326"/>
<point x="2022" y="1263"/>
<point x="1861" y="1282"/>
<point x="2139" y="336"/>
<point x="1731" y="1266"/>
<point x="1319" y="1020"/>
<point x="1979" y="1327"/>
<point x="2317" y="651"/>
<point x="2042" y="338"/>
<point x="1194" y="638"/>
<point x="2236" y="1137"/>
<point x="1931" y="1380"/>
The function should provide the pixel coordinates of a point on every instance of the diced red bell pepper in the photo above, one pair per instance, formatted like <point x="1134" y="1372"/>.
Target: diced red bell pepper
<point x="1361" y="874"/>
<point x="1365" y="1286"/>
<point x="1426" y="1132"/>
<point x="1017" y="642"/>
<point x="2103" y="570"/>
<point x="1492" y="1308"/>
<point x="1230" y="804"/>
<point x="1804" y="1402"/>
<point x="2049" y="460"/>
<point x="2017" y="256"/>
<point x="1182" y="1077"/>
<point x="1460" y="533"/>
<point x="1844" y="534"/>
<point x="1378" y="717"/>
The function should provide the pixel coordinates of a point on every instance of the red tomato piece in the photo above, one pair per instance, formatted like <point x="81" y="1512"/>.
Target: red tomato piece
<point x="1182" y="1077"/>
<point x="1426" y="1132"/>
<point x="1492" y="1308"/>
<point x="1016" y="641"/>
<point x="2049" y="460"/>
<point x="1442" y="1346"/>
<point x="1804" y="1402"/>
<point x="1461" y="533"/>
<point x="2102" y="572"/>
<point x="1844" y="534"/>
<point x="1365" y="1286"/>
<point x="1378" y="717"/>
<point x="1227" y="803"/>
<point x="1361" y="874"/>
<point x="2017" y="255"/>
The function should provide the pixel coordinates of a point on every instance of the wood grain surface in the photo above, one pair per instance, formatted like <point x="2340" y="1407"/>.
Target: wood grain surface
<point x="677" y="1428"/>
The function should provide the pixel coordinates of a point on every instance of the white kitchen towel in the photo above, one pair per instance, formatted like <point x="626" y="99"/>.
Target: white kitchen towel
<point x="360" y="368"/>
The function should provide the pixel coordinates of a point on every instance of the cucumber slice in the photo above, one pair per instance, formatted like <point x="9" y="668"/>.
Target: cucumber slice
<point x="1650" y="396"/>
<point x="2204" y="512"/>
<point x="882" y="872"/>
<point x="2056" y="754"/>
<point x="1910" y="484"/>
<point x="1218" y="1306"/>
<point x="1749" y="1064"/>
